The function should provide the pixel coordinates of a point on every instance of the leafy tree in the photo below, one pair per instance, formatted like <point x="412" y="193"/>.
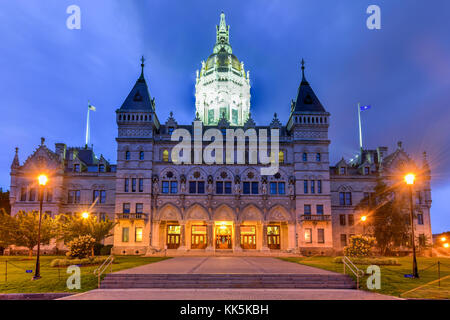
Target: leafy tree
<point x="6" y="230"/>
<point x="80" y="247"/>
<point x="25" y="225"/>
<point x="72" y="227"/>
<point x="388" y="216"/>
<point x="359" y="246"/>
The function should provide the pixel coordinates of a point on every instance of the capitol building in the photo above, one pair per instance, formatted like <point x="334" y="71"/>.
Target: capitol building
<point x="160" y="205"/>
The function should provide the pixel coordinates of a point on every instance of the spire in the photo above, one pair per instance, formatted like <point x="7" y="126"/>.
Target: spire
<point x="222" y="36"/>
<point x="303" y="73"/>
<point x="16" y="163"/>
<point x="142" y="68"/>
<point x="139" y="98"/>
<point x="307" y="100"/>
<point x="425" y="165"/>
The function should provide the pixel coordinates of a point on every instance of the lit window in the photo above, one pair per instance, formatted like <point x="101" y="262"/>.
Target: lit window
<point x="281" y="157"/>
<point x="308" y="238"/>
<point x="125" y="234"/>
<point x="166" y="155"/>
<point x="138" y="234"/>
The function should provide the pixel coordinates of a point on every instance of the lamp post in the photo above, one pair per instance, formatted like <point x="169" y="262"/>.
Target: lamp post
<point x="42" y="182"/>
<point x="409" y="179"/>
<point x="363" y="221"/>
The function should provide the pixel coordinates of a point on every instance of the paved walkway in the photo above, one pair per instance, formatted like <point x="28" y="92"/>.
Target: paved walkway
<point x="228" y="294"/>
<point x="229" y="265"/>
<point x="208" y="265"/>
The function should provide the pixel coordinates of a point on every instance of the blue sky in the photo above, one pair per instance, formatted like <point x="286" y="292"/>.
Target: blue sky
<point x="48" y="72"/>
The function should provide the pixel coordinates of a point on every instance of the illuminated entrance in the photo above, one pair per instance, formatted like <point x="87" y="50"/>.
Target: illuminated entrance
<point x="173" y="236"/>
<point x="223" y="235"/>
<point x="248" y="237"/>
<point x="273" y="237"/>
<point x="198" y="237"/>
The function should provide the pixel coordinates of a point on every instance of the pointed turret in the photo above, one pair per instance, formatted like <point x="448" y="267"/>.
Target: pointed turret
<point x="15" y="164"/>
<point x="306" y="109"/>
<point x="223" y="36"/>
<point x="139" y="98"/>
<point x="307" y="100"/>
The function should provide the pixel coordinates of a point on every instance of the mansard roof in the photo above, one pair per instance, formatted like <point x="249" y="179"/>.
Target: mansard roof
<point x="139" y="98"/>
<point x="307" y="100"/>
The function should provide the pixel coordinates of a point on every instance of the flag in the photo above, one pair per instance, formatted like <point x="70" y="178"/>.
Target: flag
<point x="362" y="108"/>
<point x="91" y="107"/>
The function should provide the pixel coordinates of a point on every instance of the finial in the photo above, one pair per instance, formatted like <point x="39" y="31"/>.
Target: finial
<point x="171" y="114"/>
<point x="303" y="68"/>
<point x="399" y="144"/>
<point x="275" y="115"/>
<point x="142" y="66"/>
<point x="17" y="150"/>
<point x="42" y="141"/>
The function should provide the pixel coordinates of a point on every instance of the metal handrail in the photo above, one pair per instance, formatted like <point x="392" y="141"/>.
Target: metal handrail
<point x="354" y="269"/>
<point x="102" y="268"/>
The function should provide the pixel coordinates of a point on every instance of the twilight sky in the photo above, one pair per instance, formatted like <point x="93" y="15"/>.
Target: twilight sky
<point x="48" y="72"/>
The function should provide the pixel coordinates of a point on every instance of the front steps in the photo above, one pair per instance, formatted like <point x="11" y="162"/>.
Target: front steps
<point x="229" y="281"/>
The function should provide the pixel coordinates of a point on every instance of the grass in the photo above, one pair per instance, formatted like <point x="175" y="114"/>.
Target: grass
<point x="53" y="278"/>
<point x="393" y="281"/>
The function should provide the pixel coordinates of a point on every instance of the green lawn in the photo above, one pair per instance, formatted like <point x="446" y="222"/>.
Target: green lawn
<point x="54" y="279"/>
<point x="393" y="281"/>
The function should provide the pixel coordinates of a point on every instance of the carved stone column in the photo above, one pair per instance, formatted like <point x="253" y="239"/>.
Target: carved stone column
<point x="182" y="236"/>
<point x="264" y="237"/>
<point x="210" y="236"/>
<point x="237" y="237"/>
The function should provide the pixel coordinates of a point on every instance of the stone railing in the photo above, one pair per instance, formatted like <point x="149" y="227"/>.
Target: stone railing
<point x="132" y="216"/>
<point x="315" y="217"/>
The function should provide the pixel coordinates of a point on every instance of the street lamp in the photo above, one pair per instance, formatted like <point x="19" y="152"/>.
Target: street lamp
<point x="363" y="221"/>
<point x="446" y="245"/>
<point x="409" y="179"/>
<point x="85" y="215"/>
<point x="42" y="179"/>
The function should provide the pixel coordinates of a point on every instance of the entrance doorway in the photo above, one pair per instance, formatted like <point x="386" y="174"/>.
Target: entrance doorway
<point x="223" y="236"/>
<point x="173" y="236"/>
<point x="248" y="237"/>
<point x="198" y="237"/>
<point x="273" y="237"/>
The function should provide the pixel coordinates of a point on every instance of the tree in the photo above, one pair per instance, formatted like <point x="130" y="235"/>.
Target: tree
<point x="72" y="227"/>
<point x="388" y="216"/>
<point x="6" y="230"/>
<point x="25" y="227"/>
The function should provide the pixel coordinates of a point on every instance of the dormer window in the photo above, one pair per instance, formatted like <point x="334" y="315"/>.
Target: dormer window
<point x="170" y="130"/>
<point x="366" y="170"/>
<point x="305" y="157"/>
<point x="101" y="168"/>
<point x="342" y="170"/>
<point x="127" y="155"/>
<point x="76" y="168"/>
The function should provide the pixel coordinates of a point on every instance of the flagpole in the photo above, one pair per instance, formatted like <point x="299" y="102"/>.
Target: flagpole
<point x="359" y="121"/>
<point x="87" y="127"/>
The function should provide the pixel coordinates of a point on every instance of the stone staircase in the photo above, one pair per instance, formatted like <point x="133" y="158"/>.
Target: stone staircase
<point x="230" y="281"/>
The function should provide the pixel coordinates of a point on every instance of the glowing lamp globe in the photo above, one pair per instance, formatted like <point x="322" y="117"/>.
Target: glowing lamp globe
<point x="42" y="179"/>
<point x="409" y="178"/>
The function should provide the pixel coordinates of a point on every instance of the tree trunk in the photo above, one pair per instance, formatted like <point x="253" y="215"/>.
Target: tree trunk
<point x="30" y="252"/>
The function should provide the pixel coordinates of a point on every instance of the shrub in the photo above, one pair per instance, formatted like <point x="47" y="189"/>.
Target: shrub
<point x="80" y="247"/>
<point x="359" y="246"/>
<point x="106" y="250"/>
<point x="83" y="262"/>
<point x="369" y="261"/>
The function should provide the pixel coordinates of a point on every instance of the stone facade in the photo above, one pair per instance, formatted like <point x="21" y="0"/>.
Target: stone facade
<point x="307" y="207"/>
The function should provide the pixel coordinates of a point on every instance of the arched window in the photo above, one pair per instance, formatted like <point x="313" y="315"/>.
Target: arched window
<point x="127" y="155"/>
<point x="141" y="155"/>
<point x="165" y="155"/>
<point x="305" y="157"/>
<point x="281" y="156"/>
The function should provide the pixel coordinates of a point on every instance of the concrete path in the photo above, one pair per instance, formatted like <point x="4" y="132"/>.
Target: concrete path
<point x="229" y="265"/>
<point x="228" y="294"/>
